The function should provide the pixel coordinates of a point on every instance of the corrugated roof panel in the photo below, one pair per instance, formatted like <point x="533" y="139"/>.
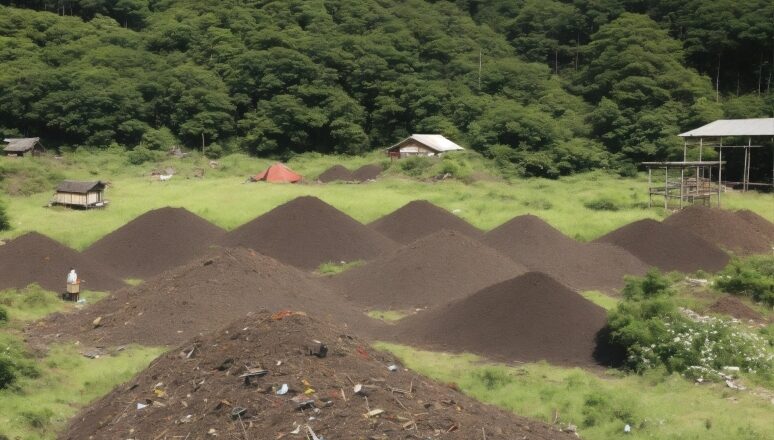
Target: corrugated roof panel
<point x="734" y="127"/>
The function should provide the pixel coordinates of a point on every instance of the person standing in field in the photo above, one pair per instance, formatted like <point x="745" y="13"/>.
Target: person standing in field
<point x="72" y="277"/>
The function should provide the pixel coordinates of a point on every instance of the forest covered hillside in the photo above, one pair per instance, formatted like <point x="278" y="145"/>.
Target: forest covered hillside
<point x="546" y="87"/>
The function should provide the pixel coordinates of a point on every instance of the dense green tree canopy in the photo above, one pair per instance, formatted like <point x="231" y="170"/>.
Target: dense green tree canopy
<point x="547" y="87"/>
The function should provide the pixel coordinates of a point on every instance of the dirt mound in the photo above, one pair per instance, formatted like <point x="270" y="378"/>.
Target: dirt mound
<point x="154" y="242"/>
<point x="723" y="228"/>
<point x="205" y="395"/>
<point x="666" y="247"/>
<point x="433" y="270"/>
<point x="535" y="244"/>
<point x="307" y="232"/>
<point x="334" y="173"/>
<point x="35" y="258"/>
<point x="528" y="318"/>
<point x="759" y="223"/>
<point x="728" y="305"/>
<point x="367" y="172"/>
<point x="418" y="219"/>
<point x="199" y="297"/>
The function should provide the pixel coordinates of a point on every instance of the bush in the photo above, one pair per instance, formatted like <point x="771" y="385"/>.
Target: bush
<point x="159" y="139"/>
<point x="213" y="151"/>
<point x="38" y="419"/>
<point x="3" y="314"/>
<point x="415" y="166"/>
<point x="7" y="373"/>
<point x="753" y="277"/>
<point x="654" y="334"/>
<point x="601" y="204"/>
<point x="142" y="154"/>
<point x="5" y="222"/>
<point x="493" y="378"/>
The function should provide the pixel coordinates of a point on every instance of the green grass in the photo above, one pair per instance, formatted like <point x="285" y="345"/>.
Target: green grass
<point x="331" y="268"/>
<point x="656" y="405"/>
<point x="133" y="281"/>
<point x="34" y="302"/>
<point x="39" y="408"/>
<point x="224" y="198"/>
<point x="387" y="315"/>
<point x="607" y="302"/>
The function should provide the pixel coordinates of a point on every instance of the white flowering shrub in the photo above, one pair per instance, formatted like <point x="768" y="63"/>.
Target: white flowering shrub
<point x="700" y="350"/>
<point x="655" y="333"/>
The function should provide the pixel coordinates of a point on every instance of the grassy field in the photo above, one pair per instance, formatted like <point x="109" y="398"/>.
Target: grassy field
<point x="657" y="406"/>
<point x="224" y="198"/>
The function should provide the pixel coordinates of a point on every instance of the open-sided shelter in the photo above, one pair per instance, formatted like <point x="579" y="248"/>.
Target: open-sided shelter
<point x="77" y="194"/>
<point x="22" y="146"/>
<point x="422" y="145"/>
<point x="277" y="173"/>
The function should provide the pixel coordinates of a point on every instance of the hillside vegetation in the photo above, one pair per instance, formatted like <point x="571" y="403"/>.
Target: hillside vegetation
<point x="563" y="85"/>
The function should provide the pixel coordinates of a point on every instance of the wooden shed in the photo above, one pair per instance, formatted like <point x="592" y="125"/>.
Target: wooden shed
<point x="22" y="146"/>
<point x="423" y="145"/>
<point x="80" y="194"/>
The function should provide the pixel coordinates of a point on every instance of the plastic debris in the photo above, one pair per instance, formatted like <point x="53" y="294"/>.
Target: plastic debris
<point x="393" y="367"/>
<point x="374" y="413"/>
<point x="627" y="428"/>
<point x="141" y="405"/>
<point x="283" y="389"/>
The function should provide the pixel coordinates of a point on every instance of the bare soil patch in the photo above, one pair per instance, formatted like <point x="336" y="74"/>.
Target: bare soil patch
<point x="307" y="232"/>
<point x="434" y="270"/>
<point x="420" y="218"/>
<point x="367" y="172"/>
<point x="532" y="242"/>
<point x="725" y="229"/>
<point x="154" y="242"/>
<point x="528" y="318"/>
<point x="731" y="306"/>
<point x="667" y="247"/>
<point x="336" y="173"/>
<point x="35" y="258"/>
<point x="205" y="394"/>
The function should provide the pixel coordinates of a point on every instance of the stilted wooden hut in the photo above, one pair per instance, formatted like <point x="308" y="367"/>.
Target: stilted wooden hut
<point x="22" y="146"/>
<point x="77" y="194"/>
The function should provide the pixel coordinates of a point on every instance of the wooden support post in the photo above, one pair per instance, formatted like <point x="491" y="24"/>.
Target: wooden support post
<point x="682" y="184"/>
<point x="650" y="187"/>
<point x="666" y="188"/>
<point x="720" y="170"/>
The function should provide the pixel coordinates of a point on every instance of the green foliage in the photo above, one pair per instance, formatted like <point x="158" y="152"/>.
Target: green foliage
<point x="331" y="268"/>
<point x="15" y="362"/>
<point x="3" y="314"/>
<point x="5" y="222"/>
<point x="655" y="334"/>
<point x="213" y="151"/>
<point x="141" y="154"/>
<point x="752" y="276"/>
<point x="415" y="166"/>
<point x="601" y="204"/>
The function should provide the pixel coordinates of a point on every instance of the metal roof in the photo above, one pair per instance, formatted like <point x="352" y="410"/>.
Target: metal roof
<point x="17" y="145"/>
<point x="76" y="187"/>
<point x="435" y="142"/>
<point x="734" y="127"/>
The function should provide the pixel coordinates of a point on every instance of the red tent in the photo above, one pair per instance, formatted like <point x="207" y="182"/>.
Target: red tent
<point x="278" y="173"/>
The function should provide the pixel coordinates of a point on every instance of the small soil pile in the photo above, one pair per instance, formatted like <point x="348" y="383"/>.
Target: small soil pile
<point x="199" y="297"/>
<point x="666" y="247"/>
<point x="434" y="270"/>
<point x="723" y="228"/>
<point x="307" y="232"/>
<point x="296" y="391"/>
<point x="35" y="258"/>
<point x="528" y="318"/>
<point x="367" y="172"/>
<point x="538" y="246"/>
<point x="334" y="173"/>
<point x="154" y="242"/>
<point x="418" y="219"/>
<point x="759" y="223"/>
<point x="728" y="305"/>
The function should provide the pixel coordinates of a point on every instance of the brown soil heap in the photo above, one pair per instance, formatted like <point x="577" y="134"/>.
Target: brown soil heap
<point x="205" y="394"/>
<point x="307" y="232"/>
<point x="35" y="258"/>
<point x="334" y="173"/>
<point x="199" y="297"/>
<point x="538" y="246"/>
<point x="154" y="242"/>
<point x="759" y="223"/>
<point x="723" y="228"/>
<point x="666" y="247"/>
<point x="528" y="318"/>
<point x="728" y="305"/>
<point x="367" y="172"/>
<point x="418" y="219"/>
<point x="433" y="270"/>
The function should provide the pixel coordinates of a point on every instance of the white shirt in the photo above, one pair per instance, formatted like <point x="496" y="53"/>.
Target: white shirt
<point x="72" y="277"/>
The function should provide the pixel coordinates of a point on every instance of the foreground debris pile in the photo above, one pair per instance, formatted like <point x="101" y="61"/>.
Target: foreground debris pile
<point x="418" y="219"/>
<point x="289" y="376"/>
